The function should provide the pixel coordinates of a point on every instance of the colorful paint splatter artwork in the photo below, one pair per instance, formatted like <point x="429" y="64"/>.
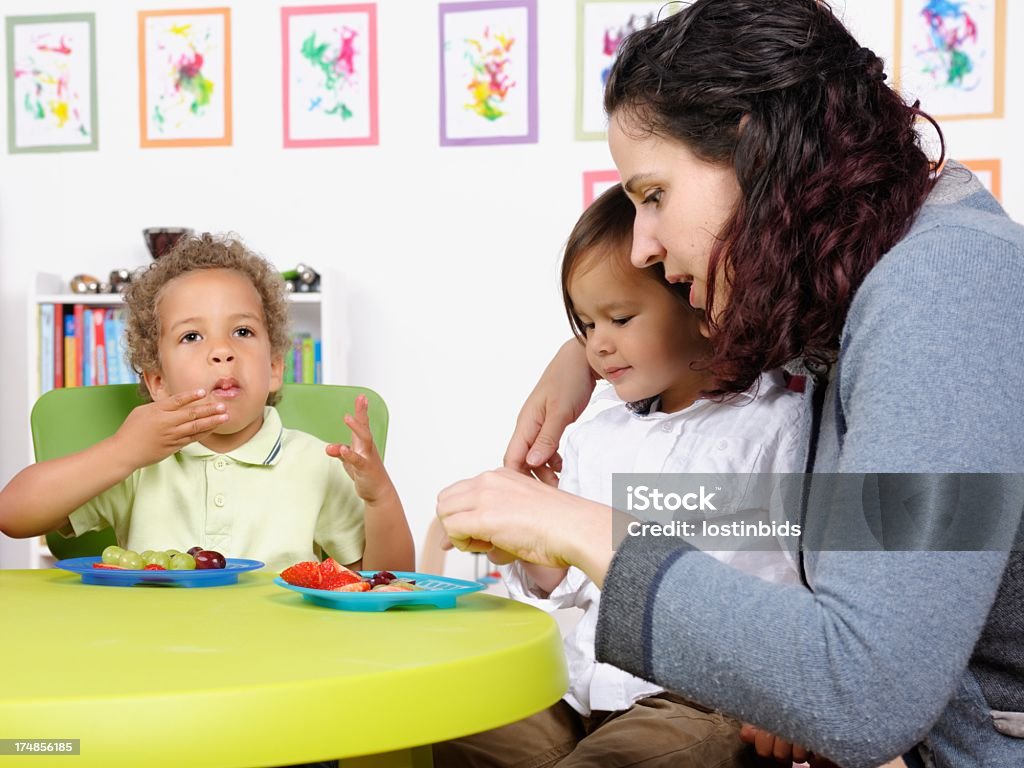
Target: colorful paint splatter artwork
<point x="952" y="36"/>
<point x="614" y="35"/>
<point x="51" y="89"/>
<point x="952" y="55"/>
<point x="489" y="85"/>
<point x="185" y="60"/>
<point x="330" y="75"/>
<point x="602" y="25"/>
<point x="488" y="72"/>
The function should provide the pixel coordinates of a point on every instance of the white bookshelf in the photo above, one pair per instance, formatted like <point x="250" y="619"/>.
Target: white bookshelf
<point x="320" y="314"/>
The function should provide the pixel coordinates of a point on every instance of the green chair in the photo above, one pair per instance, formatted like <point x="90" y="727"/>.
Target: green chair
<point x="68" y="420"/>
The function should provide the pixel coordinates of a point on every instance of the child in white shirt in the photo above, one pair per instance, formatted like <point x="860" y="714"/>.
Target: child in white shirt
<point x="642" y="336"/>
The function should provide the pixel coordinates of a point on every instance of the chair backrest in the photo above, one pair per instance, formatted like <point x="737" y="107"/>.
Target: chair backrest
<point x="68" y="420"/>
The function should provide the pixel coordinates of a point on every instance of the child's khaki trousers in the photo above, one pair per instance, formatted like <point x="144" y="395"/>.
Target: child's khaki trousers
<point x="663" y="730"/>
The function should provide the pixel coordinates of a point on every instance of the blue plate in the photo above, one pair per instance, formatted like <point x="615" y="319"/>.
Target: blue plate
<point x="438" y="591"/>
<point x="213" y="577"/>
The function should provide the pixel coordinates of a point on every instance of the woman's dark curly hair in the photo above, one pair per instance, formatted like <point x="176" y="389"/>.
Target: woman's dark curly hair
<point x="190" y="253"/>
<point x="830" y="165"/>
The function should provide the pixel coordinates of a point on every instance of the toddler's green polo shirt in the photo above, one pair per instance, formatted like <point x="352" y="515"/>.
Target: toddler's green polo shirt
<point x="274" y="499"/>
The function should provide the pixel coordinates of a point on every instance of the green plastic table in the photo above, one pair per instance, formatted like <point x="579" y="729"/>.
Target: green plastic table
<point x="252" y="675"/>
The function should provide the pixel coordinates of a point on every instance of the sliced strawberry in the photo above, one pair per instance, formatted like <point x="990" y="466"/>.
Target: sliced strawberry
<point x="154" y="567"/>
<point x="108" y="567"/>
<point x="330" y="565"/>
<point x="305" y="574"/>
<point x="339" y="579"/>
<point x="358" y="586"/>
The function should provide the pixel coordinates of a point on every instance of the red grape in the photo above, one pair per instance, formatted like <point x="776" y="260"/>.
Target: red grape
<point x="208" y="558"/>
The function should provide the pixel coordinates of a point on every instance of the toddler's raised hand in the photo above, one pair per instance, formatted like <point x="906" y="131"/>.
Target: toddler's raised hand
<point x="154" y="431"/>
<point x="362" y="460"/>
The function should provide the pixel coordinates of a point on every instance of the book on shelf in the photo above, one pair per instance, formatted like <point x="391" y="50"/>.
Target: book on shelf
<point x="46" y="331"/>
<point x="83" y="346"/>
<point x="70" y="351"/>
<point x="57" y="350"/>
<point x="303" y="363"/>
<point x="81" y="372"/>
<point x="99" y="349"/>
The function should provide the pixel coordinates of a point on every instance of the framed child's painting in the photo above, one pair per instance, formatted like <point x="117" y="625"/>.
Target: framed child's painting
<point x="596" y="182"/>
<point x="330" y="75"/>
<point x="51" y="83"/>
<point x="488" y="72"/>
<point x="185" y="77"/>
<point x="952" y="56"/>
<point x="601" y="26"/>
<point x="989" y="173"/>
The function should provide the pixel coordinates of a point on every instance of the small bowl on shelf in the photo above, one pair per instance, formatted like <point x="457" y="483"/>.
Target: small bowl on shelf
<point x="160" y="240"/>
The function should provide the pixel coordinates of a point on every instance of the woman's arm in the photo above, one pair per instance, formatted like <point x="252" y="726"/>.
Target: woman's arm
<point x="556" y="402"/>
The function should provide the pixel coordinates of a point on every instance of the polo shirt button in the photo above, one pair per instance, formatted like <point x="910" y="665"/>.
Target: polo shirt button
<point x="220" y="463"/>
<point x="666" y="427"/>
<point x="219" y="499"/>
<point x="722" y="445"/>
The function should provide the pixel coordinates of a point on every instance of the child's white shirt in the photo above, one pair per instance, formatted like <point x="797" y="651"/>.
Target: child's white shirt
<point x="761" y="432"/>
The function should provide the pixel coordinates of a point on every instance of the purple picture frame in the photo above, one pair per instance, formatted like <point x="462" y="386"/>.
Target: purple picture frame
<point x="532" y="121"/>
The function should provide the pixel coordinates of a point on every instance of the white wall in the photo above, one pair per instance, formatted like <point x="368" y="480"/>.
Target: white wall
<point x="452" y="318"/>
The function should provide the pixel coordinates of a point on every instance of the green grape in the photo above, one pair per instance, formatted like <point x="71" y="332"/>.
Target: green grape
<point x="146" y="555"/>
<point x="158" y="558"/>
<point x="112" y="555"/>
<point x="172" y="552"/>
<point x="131" y="560"/>
<point x="183" y="562"/>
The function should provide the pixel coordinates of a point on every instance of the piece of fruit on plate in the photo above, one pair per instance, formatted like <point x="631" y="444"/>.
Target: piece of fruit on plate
<point x="336" y="576"/>
<point x="329" y="575"/>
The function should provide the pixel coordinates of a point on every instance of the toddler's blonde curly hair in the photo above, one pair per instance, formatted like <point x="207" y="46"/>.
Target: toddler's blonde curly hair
<point x="190" y="253"/>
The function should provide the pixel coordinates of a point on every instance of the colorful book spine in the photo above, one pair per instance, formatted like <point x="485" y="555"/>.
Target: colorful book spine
<point x="127" y="374"/>
<point x="79" y="314"/>
<point x="88" y="348"/>
<point x="70" y="351"/>
<point x="308" y="360"/>
<point x="58" y="345"/>
<point x="99" y="343"/>
<point x="318" y="365"/>
<point x="45" y="347"/>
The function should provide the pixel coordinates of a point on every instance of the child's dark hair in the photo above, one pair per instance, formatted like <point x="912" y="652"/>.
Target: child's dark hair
<point x="604" y="230"/>
<point x="828" y="159"/>
<point x="191" y="253"/>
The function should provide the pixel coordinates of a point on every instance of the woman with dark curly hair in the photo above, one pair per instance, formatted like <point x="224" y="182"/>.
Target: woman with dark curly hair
<point x="774" y="171"/>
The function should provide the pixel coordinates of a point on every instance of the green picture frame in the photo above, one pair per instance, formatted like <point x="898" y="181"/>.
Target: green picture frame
<point x="600" y="27"/>
<point x="51" y="83"/>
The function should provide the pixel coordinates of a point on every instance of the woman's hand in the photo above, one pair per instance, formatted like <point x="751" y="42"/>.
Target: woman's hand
<point x="524" y="518"/>
<point x="770" y="746"/>
<point x="556" y="402"/>
<point x="154" y="431"/>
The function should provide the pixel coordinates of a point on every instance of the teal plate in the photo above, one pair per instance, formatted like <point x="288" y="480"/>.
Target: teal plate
<point x="438" y="591"/>
<point x="212" y="577"/>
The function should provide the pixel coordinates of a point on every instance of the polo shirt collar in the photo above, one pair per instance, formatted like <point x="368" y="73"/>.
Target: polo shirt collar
<point x="262" y="449"/>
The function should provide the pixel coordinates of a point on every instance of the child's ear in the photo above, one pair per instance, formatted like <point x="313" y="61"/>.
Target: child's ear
<point x="155" y="384"/>
<point x="276" y="373"/>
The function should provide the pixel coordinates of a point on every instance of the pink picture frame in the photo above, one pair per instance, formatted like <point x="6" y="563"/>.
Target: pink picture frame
<point x="596" y="182"/>
<point x="329" y="71"/>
